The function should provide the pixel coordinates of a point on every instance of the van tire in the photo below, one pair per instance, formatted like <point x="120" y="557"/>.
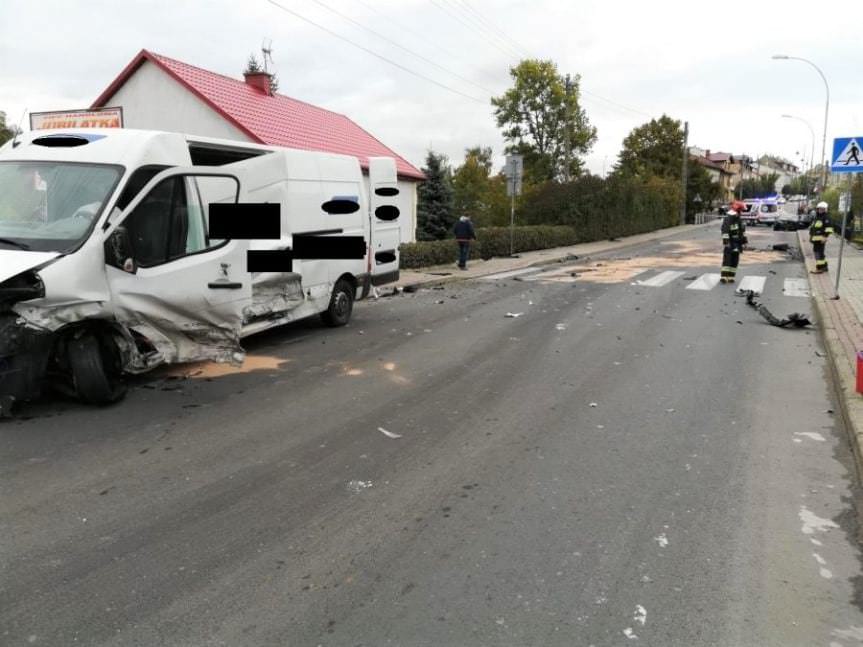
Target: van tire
<point x="95" y="369"/>
<point x="341" y="304"/>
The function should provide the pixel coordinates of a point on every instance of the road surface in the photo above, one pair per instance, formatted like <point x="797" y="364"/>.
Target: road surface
<point x="636" y="458"/>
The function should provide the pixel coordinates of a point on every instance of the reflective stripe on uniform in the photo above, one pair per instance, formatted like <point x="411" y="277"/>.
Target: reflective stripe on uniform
<point x="817" y="239"/>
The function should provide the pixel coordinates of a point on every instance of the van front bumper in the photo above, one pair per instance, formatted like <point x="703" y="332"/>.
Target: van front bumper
<point x="24" y="355"/>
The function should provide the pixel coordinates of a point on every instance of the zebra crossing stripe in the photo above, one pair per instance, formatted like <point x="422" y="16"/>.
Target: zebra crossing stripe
<point x="796" y="288"/>
<point x="506" y="275"/>
<point x="704" y="282"/>
<point x="754" y="283"/>
<point x="663" y="278"/>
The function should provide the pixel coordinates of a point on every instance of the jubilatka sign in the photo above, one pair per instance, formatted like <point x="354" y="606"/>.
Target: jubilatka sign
<point x="102" y="118"/>
<point x="847" y="155"/>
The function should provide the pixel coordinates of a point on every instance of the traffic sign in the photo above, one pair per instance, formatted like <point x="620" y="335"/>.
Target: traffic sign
<point x="847" y="155"/>
<point x="514" y="170"/>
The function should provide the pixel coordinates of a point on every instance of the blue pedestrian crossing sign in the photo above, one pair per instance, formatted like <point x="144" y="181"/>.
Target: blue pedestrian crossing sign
<point x="847" y="155"/>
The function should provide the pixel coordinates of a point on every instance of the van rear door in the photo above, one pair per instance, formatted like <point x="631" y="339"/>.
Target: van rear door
<point x="180" y="290"/>
<point x="384" y="217"/>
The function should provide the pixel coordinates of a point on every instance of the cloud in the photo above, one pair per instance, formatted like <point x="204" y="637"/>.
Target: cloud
<point x="708" y="65"/>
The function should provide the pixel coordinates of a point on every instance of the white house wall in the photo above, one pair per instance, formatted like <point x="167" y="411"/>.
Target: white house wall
<point x="151" y="99"/>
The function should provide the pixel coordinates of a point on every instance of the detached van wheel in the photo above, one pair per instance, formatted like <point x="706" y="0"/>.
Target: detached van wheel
<point x="95" y="370"/>
<point x="341" y="305"/>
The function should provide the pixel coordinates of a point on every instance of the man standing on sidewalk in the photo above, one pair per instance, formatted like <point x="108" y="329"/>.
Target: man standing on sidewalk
<point x="733" y="240"/>
<point x="464" y="234"/>
<point x="819" y="231"/>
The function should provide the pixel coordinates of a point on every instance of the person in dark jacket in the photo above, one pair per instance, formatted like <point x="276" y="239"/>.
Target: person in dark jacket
<point x="819" y="231"/>
<point x="464" y="234"/>
<point x="733" y="240"/>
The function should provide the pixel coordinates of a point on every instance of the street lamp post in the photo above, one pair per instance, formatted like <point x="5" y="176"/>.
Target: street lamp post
<point x="784" y="57"/>
<point x="811" y="152"/>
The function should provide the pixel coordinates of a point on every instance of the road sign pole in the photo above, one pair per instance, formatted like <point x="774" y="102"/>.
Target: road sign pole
<point x="842" y="241"/>
<point x="512" y="221"/>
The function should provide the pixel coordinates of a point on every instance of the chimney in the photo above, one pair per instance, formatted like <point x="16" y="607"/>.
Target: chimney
<point x="259" y="80"/>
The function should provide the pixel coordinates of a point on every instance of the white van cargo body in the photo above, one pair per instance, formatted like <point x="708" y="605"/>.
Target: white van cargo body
<point x="108" y="266"/>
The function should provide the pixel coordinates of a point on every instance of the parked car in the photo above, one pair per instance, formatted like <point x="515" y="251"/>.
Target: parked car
<point x="789" y="222"/>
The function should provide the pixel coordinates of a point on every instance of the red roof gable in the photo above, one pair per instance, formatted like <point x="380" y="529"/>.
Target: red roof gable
<point x="273" y="120"/>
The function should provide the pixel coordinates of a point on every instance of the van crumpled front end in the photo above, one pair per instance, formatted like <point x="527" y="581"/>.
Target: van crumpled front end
<point x="24" y="355"/>
<point x="24" y="352"/>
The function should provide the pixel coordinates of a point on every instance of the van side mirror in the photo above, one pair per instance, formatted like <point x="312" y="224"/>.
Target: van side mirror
<point x="119" y="252"/>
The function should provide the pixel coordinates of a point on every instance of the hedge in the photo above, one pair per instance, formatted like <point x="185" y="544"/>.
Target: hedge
<point x="491" y="241"/>
<point x="557" y="215"/>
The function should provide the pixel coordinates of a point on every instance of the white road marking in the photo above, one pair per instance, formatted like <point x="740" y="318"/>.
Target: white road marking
<point x="796" y="288"/>
<point x="506" y="275"/>
<point x="704" y="282"/>
<point x="754" y="283"/>
<point x="812" y="435"/>
<point x="663" y="278"/>
<point x="812" y="522"/>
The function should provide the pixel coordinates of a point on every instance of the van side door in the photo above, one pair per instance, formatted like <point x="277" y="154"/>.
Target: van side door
<point x="180" y="292"/>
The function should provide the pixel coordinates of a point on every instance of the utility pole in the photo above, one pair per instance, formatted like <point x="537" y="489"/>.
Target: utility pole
<point x="568" y="86"/>
<point x="683" y="175"/>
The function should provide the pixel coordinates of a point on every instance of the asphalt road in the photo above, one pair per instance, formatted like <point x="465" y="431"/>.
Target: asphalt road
<point x="623" y="463"/>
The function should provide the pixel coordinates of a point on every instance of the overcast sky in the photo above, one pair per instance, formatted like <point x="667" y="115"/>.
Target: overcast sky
<point x="707" y="63"/>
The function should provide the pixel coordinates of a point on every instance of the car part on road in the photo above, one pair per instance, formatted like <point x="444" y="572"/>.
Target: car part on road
<point x="780" y="247"/>
<point x="795" y="319"/>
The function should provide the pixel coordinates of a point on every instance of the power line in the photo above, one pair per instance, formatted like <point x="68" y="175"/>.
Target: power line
<point x="401" y="47"/>
<point x="478" y="27"/>
<point x="495" y="27"/>
<point x="403" y="27"/>
<point x="375" y="54"/>
<point x="470" y="28"/>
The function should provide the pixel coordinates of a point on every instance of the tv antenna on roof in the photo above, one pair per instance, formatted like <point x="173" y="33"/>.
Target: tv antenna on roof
<point x="267" y="52"/>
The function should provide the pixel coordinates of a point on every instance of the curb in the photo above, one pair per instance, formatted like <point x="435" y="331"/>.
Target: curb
<point x="620" y="244"/>
<point x="844" y="378"/>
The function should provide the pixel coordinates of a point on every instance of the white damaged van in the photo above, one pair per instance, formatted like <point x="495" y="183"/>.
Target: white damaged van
<point x="107" y="266"/>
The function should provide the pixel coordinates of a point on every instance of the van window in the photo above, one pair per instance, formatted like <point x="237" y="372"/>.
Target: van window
<point x="136" y="182"/>
<point x="168" y="224"/>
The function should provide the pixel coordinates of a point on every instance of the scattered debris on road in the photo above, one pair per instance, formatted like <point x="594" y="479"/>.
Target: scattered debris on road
<point x="388" y="434"/>
<point x="689" y="278"/>
<point x="358" y="486"/>
<point x="594" y="404"/>
<point x="795" y="319"/>
<point x="780" y="247"/>
<point x="513" y="315"/>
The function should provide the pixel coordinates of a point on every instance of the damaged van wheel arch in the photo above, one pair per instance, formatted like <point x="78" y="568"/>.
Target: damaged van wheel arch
<point x="341" y="304"/>
<point x="94" y="364"/>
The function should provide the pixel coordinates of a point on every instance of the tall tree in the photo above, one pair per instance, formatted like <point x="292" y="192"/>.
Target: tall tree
<point x="435" y="216"/>
<point x="470" y="181"/>
<point x="542" y="119"/>
<point x="653" y="149"/>
<point x="6" y="131"/>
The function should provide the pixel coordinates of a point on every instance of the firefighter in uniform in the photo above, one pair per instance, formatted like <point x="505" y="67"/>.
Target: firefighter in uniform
<point x="819" y="231"/>
<point x="733" y="240"/>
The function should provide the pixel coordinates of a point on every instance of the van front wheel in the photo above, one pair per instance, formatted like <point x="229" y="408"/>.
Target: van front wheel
<point x="341" y="304"/>
<point x="95" y="369"/>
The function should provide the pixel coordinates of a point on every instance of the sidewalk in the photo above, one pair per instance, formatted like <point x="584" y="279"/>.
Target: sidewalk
<point x="840" y="321"/>
<point x="478" y="268"/>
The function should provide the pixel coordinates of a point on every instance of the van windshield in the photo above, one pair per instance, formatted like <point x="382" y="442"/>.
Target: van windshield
<point x="51" y="206"/>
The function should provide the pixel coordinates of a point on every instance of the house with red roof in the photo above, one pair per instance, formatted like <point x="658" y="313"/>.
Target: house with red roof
<point x="160" y="93"/>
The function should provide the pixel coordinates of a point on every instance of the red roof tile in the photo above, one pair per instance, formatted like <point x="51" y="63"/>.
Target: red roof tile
<point x="274" y="120"/>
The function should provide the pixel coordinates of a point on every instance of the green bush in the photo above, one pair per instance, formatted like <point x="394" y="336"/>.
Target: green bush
<point x="491" y="241"/>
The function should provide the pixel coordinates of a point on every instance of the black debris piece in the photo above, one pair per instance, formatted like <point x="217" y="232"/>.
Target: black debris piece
<point x="780" y="247"/>
<point x="689" y="278"/>
<point x="412" y="288"/>
<point x="795" y="319"/>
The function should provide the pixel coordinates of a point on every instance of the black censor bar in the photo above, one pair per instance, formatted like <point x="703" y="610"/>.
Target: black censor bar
<point x="306" y="247"/>
<point x="245" y="221"/>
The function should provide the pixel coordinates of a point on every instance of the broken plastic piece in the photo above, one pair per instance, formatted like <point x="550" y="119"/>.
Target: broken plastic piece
<point x="594" y="404"/>
<point x="513" y="315"/>
<point x="388" y="434"/>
